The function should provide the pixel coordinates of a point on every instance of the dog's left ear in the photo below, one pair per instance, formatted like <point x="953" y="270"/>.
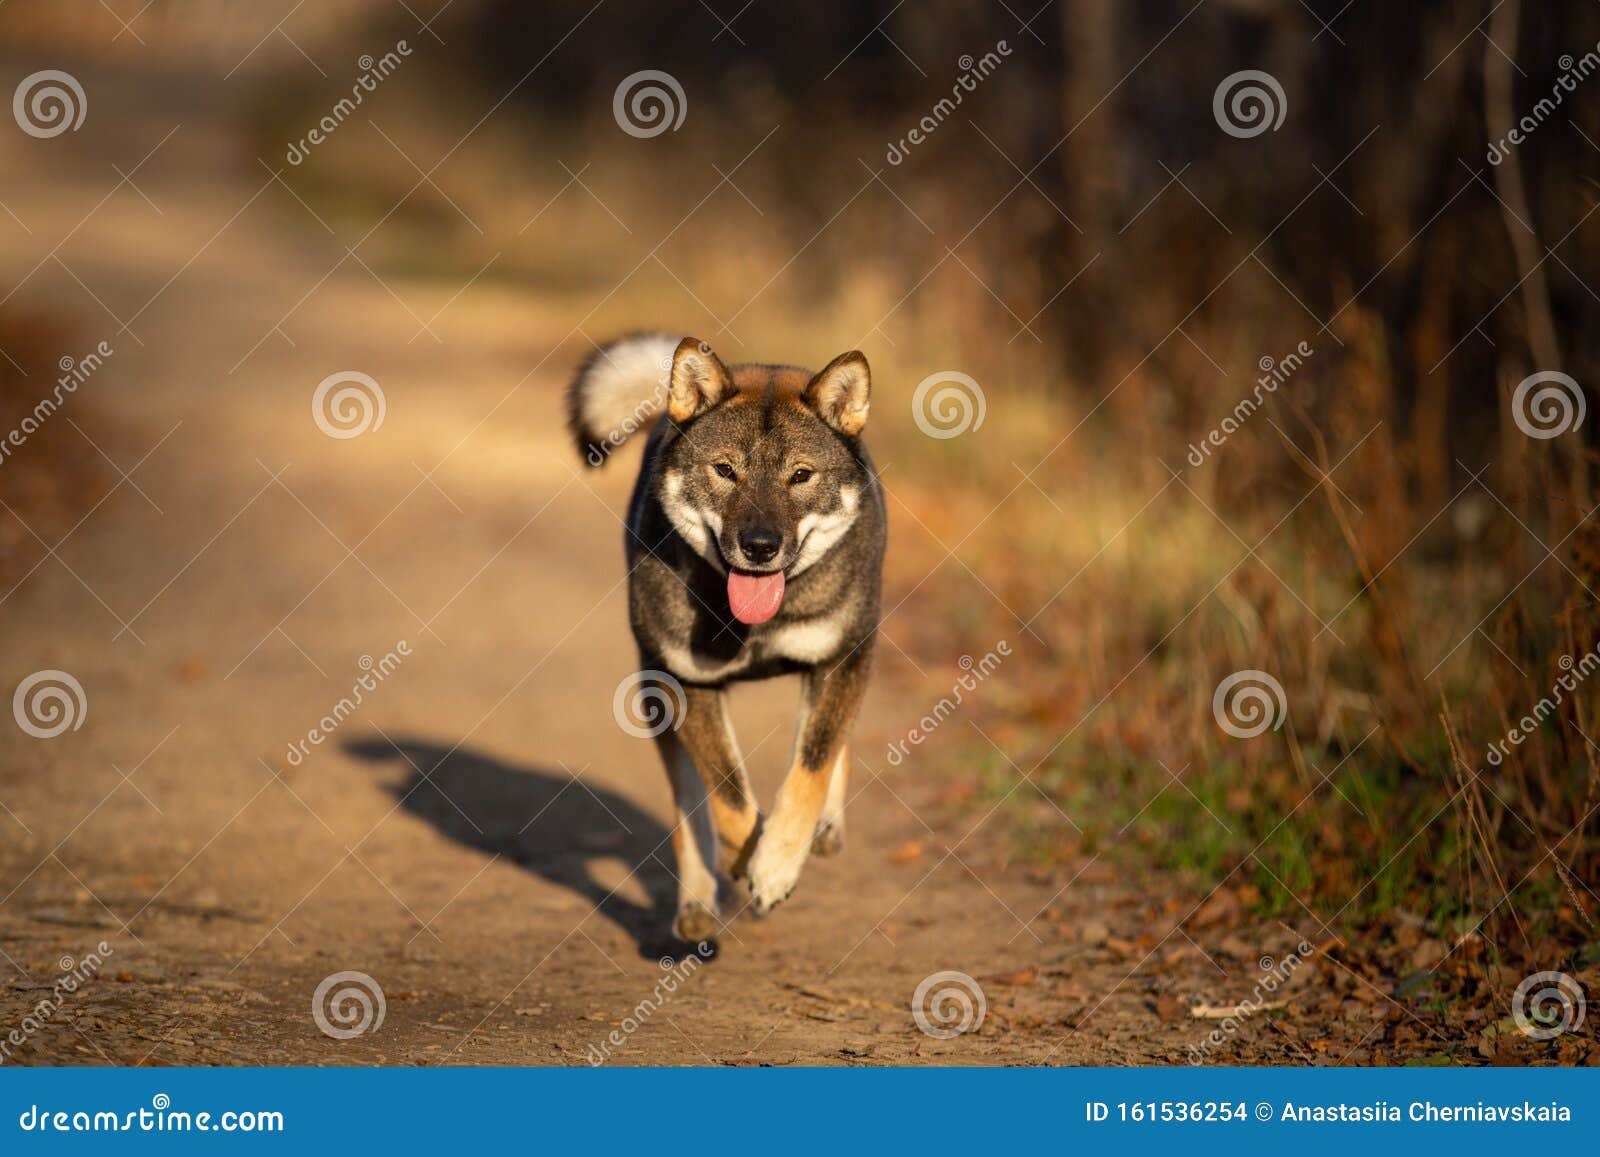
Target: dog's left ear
<point x="841" y="393"/>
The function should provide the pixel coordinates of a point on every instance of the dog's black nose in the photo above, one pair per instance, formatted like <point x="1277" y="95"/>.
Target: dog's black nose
<point x="759" y="546"/>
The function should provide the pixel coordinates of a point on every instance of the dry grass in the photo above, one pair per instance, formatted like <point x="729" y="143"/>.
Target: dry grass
<point x="1301" y="549"/>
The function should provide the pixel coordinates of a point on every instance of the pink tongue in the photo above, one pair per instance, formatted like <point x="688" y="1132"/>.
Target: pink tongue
<point x="754" y="598"/>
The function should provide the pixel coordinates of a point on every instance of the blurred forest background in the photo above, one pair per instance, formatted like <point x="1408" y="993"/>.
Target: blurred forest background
<point x="1082" y="237"/>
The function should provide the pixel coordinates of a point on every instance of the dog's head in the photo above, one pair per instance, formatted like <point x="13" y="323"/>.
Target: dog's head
<point x="764" y="475"/>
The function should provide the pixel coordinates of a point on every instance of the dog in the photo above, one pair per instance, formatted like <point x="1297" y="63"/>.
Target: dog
<point x="755" y="539"/>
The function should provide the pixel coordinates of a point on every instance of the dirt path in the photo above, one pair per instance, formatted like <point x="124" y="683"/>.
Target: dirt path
<point x="220" y="600"/>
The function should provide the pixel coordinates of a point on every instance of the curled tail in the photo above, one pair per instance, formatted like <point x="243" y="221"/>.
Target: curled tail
<point x="619" y="391"/>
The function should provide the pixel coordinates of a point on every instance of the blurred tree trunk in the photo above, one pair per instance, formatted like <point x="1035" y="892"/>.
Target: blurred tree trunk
<point x="1499" y="106"/>
<point x="1088" y="159"/>
<point x="1089" y="39"/>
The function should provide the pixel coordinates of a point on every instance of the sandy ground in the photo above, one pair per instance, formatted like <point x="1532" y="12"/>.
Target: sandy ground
<point x="480" y="837"/>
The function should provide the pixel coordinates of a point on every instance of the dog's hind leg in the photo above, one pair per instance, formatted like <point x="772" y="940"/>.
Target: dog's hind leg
<point x="707" y="735"/>
<point x="829" y="838"/>
<point x="693" y="844"/>
<point x="832" y="696"/>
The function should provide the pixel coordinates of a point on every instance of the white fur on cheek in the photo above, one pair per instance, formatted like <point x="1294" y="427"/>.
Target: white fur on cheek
<point x="819" y="532"/>
<point x="693" y="524"/>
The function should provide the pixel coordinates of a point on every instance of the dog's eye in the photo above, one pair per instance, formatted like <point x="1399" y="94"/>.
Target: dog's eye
<point x="799" y="476"/>
<point x="726" y="471"/>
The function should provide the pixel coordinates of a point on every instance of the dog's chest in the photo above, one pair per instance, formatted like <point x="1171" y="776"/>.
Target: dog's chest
<point x="807" y="642"/>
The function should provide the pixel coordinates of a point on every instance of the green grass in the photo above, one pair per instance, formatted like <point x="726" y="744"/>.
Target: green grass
<point x="1371" y="841"/>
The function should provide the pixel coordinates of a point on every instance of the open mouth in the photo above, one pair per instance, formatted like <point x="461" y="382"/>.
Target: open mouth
<point x="754" y="598"/>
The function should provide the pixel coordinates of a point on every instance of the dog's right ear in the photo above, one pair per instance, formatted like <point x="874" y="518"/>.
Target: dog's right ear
<point x="699" y="380"/>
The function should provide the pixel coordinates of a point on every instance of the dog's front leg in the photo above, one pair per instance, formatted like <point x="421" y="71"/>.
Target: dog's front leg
<point x="832" y="694"/>
<point x="693" y="844"/>
<point x="707" y="735"/>
<point x="829" y="840"/>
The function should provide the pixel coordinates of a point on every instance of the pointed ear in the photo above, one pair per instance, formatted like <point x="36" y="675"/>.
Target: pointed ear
<point x="841" y="393"/>
<point x="699" y="380"/>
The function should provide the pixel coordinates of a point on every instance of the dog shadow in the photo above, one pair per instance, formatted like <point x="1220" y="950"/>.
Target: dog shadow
<point x="549" y="821"/>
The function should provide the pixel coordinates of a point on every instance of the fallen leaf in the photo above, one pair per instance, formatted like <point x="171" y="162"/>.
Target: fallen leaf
<point x="1170" y="1007"/>
<point x="1204" y="1011"/>
<point x="1021" y="976"/>
<point x="1237" y="947"/>
<point x="1221" y="905"/>
<point x="907" y="853"/>
<point x="1428" y="953"/>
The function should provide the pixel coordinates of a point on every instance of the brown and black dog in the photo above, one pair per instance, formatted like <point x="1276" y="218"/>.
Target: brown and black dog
<point x="755" y="541"/>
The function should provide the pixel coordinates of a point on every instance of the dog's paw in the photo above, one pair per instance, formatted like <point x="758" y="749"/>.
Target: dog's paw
<point x="695" y="922"/>
<point x="829" y="840"/>
<point x="773" y="876"/>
